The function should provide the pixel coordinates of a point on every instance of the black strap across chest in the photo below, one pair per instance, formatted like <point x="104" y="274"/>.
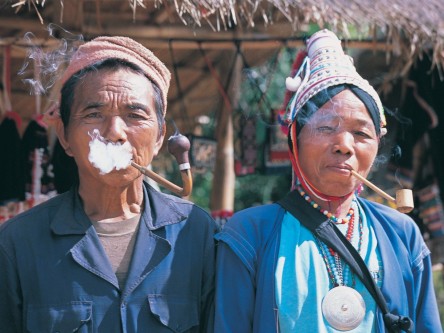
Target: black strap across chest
<point x="328" y="233"/>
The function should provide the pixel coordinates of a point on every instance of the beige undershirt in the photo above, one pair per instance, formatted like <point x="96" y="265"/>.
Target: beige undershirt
<point x="118" y="239"/>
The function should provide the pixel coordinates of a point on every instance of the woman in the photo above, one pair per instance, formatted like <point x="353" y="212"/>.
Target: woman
<point x="275" y="273"/>
<point x="112" y="254"/>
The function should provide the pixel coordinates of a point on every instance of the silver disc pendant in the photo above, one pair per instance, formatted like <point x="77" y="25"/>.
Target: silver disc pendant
<point x="343" y="308"/>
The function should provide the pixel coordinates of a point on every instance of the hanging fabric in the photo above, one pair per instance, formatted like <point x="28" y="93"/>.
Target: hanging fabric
<point x="38" y="173"/>
<point x="6" y="79"/>
<point x="276" y="157"/>
<point x="246" y="145"/>
<point x="12" y="186"/>
<point x="421" y="141"/>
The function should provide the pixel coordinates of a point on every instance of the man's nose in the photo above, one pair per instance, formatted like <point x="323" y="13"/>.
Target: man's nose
<point x="115" y="129"/>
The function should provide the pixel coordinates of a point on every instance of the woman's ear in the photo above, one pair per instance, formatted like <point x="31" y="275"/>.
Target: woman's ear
<point x="61" y="134"/>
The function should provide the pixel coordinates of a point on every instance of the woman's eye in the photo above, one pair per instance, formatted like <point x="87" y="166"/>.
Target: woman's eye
<point x="362" y="134"/>
<point x="325" y="129"/>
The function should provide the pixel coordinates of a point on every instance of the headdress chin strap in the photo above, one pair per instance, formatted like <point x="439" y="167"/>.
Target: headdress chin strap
<point x="304" y="182"/>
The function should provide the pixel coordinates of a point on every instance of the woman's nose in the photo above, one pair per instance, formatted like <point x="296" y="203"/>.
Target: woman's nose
<point x="115" y="129"/>
<point x="343" y="143"/>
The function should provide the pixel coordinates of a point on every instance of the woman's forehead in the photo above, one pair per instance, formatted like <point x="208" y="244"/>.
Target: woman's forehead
<point x="329" y="113"/>
<point x="343" y="104"/>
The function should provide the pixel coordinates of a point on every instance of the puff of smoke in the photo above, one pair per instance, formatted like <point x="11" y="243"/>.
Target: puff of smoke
<point x="46" y="60"/>
<point x="107" y="156"/>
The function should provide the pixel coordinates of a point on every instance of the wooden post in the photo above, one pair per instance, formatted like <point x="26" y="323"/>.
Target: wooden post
<point x="222" y="192"/>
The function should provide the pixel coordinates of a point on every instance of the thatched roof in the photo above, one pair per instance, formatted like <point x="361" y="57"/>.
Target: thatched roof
<point x="419" y="23"/>
<point x="194" y="37"/>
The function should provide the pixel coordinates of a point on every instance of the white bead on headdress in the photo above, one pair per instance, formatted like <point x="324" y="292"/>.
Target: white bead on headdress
<point x="326" y="65"/>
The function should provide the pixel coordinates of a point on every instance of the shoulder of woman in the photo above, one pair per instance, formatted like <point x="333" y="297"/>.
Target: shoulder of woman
<point x="260" y="216"/>
<point x="392" y="221"/>
<point x="251" y="231"/>
<point x="386" y="212"/>
<point x="253" y="225"/>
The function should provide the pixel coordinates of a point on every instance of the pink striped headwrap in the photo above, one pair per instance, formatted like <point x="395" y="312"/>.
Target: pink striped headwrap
<point x="124" y="48"/>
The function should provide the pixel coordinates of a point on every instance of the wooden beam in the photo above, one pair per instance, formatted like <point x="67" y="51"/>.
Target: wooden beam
<point x="222" y="190"/>
<point x="18" y="23"/>
<point x="251" y="44"/>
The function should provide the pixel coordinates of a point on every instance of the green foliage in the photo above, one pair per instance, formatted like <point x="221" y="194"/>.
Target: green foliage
<point x="260" y="189"/>
<point x="202" y="184"/>
<point x="262" y="91"/>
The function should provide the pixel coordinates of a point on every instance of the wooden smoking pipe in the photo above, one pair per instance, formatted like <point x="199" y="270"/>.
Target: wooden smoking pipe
<point x="178" y="146"/>
<point x="404" y="198"/>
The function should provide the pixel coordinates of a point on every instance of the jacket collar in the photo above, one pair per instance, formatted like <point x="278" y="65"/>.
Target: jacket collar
<point x="159" y="210"/>
<point x="70" y="218"/>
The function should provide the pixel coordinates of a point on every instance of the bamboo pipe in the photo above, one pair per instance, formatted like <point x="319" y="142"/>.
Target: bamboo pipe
<point x="404" y="197"/>
<point x="178" y="146"/>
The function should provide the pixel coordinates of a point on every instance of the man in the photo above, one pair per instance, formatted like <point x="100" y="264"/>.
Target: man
<point x="112" y="254"/>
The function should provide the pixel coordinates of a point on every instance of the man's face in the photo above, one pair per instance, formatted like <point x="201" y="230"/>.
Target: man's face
<point x="120" y="105"/>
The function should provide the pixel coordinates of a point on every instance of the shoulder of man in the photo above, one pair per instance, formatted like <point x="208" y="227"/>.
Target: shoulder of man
<point x="182" y="206"/>
<point x="32" y="221"/>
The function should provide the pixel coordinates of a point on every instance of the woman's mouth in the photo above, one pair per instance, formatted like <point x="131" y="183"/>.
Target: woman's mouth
<point x="340" y="168"/>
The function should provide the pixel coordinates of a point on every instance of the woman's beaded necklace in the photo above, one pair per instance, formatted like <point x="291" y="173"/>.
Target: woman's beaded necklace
<point x="330" y="216"/>
<point x="338" y="272"/>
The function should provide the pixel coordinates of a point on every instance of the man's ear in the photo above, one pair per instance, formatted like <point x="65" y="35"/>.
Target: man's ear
<point x="61" y="135"/>
<point x="159" y="140"/>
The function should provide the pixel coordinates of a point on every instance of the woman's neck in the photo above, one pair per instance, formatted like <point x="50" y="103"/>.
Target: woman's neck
<point x="339" y="208"/>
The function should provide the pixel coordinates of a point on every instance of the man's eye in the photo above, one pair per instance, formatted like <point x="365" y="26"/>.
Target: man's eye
<point x="137" y="115"/>
<point x="93" y="115"/>
<point x="136" y="112"/>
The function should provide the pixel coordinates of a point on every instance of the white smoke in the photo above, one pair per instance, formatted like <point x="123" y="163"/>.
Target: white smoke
<point x="107" y="156"/>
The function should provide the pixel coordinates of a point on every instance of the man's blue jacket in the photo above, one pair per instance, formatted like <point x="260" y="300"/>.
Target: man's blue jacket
<point x="56" y="277"/>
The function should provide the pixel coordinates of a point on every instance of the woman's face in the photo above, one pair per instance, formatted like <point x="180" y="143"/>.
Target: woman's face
<point x="120" y="104"/>
<point x="340" y="136"/>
